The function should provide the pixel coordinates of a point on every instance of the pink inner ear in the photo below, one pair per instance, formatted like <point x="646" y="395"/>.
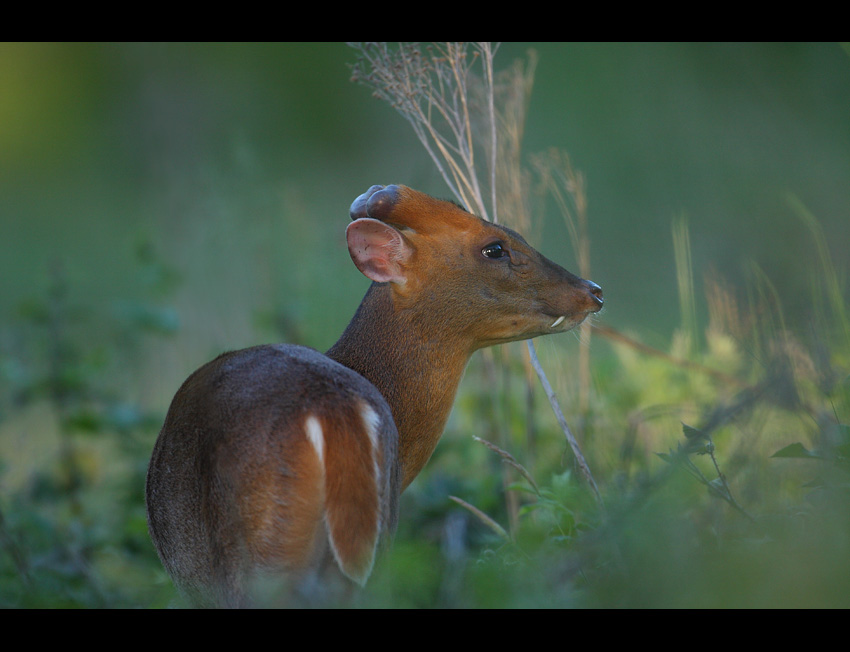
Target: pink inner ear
<point x="378" y="250"/>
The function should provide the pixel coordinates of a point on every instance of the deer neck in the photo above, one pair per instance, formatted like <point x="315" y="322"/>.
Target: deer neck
<point x="402" y="353"/>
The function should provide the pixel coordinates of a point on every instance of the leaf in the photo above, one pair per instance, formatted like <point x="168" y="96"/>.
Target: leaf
<point x="562" y="482"/>
<point x="521" y="486"/>
<point x="796" y="450"/>
<point x="693" y="433"/>
<point x="530" y="507"/>
<point x="667" y="457"/>
<point x="680" y="458"/>
<point x="718" y="488"/>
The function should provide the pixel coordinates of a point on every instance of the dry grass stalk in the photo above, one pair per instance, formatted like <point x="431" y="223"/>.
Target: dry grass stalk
<point x="724" y="312"/>
<point x="566" y="185"/>
<point x="431" y="89"/>
<point x="489" y="522"/>
<point x="453" y="112"/>
<point x="573" y="442"/>
<point x="615" y="336"/>
<point x="513" y="91"/>
<point x="510" y="460"/>
<point x="685" y="281"/>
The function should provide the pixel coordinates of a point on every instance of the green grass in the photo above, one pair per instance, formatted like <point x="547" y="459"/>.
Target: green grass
<point x="772" y="531"/>
<point x="721" y="454"/>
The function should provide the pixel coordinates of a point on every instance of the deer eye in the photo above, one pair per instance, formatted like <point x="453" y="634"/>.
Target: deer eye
<point x="494" y="250"/>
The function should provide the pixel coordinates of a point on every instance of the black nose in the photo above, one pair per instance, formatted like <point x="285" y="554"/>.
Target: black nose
<point x="596" y="291"/>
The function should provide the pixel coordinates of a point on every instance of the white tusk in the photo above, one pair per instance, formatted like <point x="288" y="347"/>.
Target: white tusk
<point x="557" y="321"/>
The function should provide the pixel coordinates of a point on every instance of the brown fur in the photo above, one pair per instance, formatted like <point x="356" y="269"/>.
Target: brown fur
<point x="237" y="490"/>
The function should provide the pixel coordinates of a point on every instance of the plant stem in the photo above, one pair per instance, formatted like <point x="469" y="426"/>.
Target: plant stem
<point x="553" y="401"/>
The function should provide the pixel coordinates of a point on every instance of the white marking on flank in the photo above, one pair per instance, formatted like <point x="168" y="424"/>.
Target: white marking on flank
<point x="316" y="436"/>
<point x="372" y="422"/>
<point x="558" y="321"/>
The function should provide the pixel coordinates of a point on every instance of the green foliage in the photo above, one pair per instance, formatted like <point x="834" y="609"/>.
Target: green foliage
<point x="749" y="507"/>
<point x="72" y="529"/>
<point x="735" y="513"/>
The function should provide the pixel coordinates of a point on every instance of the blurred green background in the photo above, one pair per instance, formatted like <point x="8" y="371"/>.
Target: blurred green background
<point x="160" y="203"/>
<point x="239" y="162"/>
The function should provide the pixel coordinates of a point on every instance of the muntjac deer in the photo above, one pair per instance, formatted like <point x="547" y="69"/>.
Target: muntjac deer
<point x="279" y="462"/>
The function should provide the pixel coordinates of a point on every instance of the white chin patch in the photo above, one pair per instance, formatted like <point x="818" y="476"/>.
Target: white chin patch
<point x="557" y="321"/>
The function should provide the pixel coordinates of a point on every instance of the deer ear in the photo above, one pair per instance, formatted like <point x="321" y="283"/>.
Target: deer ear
<point x="378" y="250"/>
